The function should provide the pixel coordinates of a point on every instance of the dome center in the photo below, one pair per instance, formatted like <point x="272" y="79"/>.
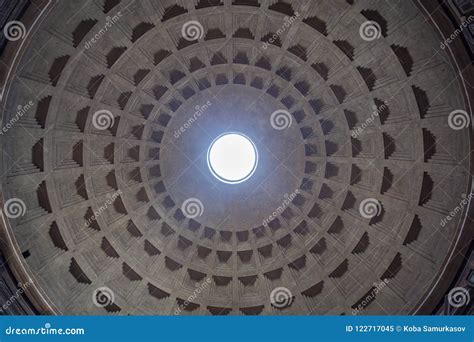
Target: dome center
<point x="232" y="158"/>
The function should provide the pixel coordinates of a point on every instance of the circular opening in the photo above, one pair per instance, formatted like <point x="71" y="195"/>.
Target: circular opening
<point x="232" y="158"/>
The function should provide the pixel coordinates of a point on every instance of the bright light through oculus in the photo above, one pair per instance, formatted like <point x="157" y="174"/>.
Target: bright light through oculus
<point x="232" y="158"/>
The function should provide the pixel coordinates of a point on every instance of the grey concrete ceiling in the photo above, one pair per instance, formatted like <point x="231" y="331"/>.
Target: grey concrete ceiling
<point x="129" y="58"/>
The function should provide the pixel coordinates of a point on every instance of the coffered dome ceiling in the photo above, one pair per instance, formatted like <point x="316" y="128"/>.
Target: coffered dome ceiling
<point x="111" y="206"/>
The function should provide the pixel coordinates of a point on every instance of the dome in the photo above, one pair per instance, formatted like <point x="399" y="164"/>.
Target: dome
<point x="358" y="116"/>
